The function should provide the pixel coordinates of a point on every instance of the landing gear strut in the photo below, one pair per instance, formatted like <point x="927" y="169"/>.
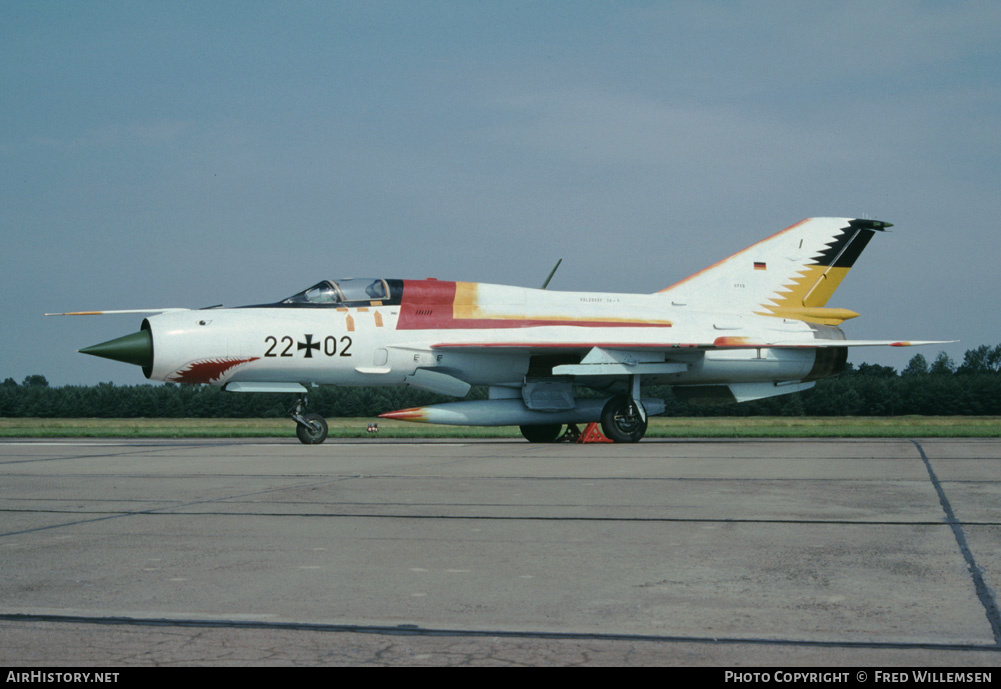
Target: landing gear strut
<point x="311" y="428"/>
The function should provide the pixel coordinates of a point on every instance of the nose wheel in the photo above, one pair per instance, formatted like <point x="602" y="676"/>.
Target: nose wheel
<point x="310" y="428"/>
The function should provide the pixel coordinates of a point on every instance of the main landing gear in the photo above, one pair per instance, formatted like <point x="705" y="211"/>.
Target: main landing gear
<point x="551" y="433"/>
<point x="542" y="433"/>
<point x="622" y="420"/>
<point x="311" y="428"/>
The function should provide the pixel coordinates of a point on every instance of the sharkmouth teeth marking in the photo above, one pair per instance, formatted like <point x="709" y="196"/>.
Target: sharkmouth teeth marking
<point x="207" y="370"/>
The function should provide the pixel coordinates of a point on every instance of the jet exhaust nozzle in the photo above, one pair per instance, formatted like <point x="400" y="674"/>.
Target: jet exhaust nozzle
<point x="136" y="349"/>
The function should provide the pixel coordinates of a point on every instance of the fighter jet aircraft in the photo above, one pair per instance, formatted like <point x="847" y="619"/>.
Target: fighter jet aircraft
<point x="751" y="326"/>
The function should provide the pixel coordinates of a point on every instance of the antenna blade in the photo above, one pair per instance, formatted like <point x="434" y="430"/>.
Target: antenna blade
<point x="551" y="274"/>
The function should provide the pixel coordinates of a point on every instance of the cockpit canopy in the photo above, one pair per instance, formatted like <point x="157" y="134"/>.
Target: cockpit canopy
<point x="342" y="292"/>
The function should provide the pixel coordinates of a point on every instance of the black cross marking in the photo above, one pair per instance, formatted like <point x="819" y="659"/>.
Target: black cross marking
<point x="309" y="346"/>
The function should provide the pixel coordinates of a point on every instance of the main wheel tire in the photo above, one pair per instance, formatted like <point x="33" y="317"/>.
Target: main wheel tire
<point x="544" y="433"/>
<point x="315" y="432"/>
<point x="621" y="421"/>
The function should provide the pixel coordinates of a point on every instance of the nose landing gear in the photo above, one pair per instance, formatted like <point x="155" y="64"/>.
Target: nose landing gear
<point x="311" y="428"/>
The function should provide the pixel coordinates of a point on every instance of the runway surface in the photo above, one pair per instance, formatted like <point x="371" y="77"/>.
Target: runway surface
<point x="230" y="552"/>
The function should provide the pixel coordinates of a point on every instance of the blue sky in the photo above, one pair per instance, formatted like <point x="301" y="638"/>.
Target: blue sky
<point x="190" y="154"/>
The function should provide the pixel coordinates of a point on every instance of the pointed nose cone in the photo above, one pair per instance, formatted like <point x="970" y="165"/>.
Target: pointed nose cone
<point x="136" y="348"/>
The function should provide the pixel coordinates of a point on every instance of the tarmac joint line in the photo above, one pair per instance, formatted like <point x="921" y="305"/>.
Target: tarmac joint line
<point x="984" y="592"/>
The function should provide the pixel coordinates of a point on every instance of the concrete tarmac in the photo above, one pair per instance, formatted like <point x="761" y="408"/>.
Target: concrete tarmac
<point x="377" y="552"/>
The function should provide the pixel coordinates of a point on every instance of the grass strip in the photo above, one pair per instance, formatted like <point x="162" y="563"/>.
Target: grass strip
<point x="694" y="427"/>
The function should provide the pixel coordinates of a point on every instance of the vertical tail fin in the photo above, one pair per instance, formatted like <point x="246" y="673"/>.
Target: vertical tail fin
<point x="791" y="274"/>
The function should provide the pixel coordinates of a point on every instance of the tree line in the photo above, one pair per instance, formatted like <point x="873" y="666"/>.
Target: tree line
<point x="940" y="388"/>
